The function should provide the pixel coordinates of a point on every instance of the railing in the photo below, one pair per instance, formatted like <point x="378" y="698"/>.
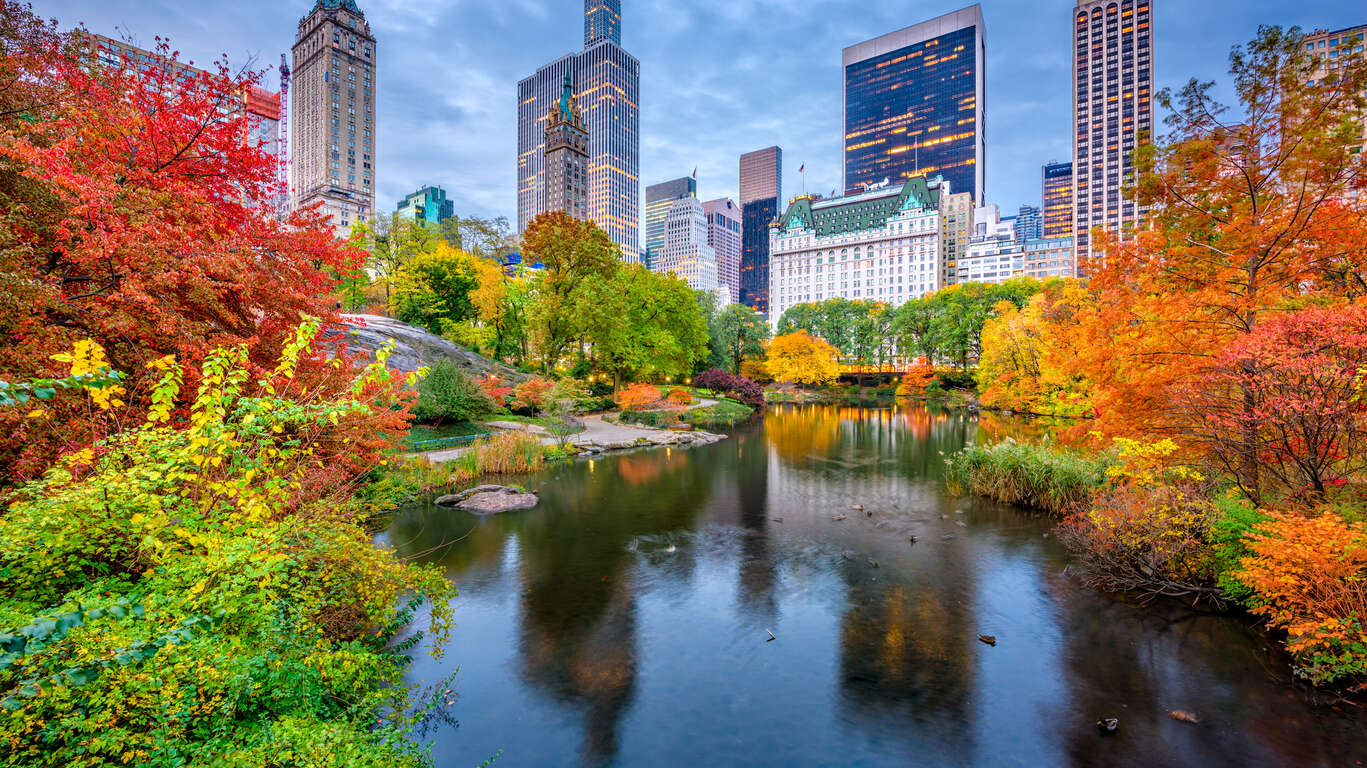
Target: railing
<point x="438" y="443"/>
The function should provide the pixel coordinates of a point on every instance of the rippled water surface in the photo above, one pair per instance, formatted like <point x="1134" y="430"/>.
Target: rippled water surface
<point x="625" y="621"/>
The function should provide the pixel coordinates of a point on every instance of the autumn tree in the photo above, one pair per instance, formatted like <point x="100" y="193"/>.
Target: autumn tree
<point x="136" y="210"/>
<point x="501" y="300"/>
<point x="432" y="289"/>
<point x="801" y="358"/>
<point x="1026" y="354"/>
<point x="737" y="333"/>
<point x="573" y="252"/>
<point x="1254" y="208"/>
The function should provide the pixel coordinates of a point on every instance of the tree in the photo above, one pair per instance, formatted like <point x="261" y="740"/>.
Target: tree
<point x="1294" y="387"/>
<point x="482" y="238"/>
<point x="392" y="242"/>
<point x="501" y="302"/>
<point x="448" y="394"/>
<point x="914" y="327"/>
<point x="643" y="324"/>
<point x="573" y="252"/>
<point x="801" y="358"/>
<point x="136" y="211"/>
<point x="1026" y="354"/>
<point x="735" y="334"/>
<point x="433" y="288"/>
<point x="1255" y="208"/>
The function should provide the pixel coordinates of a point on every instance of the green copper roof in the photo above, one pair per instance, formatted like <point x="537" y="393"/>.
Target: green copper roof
<point x="566" y="94"/>
<point x="854" y="213"/>
<point x="346" y="5"/>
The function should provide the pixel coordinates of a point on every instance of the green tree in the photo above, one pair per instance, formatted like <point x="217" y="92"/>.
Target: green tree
<point x="433" y="288"/>
<point x="736" y="333"/>
<point x="915" y="328"/>
<point x="484" y="238"/>
<point x="573" y="252"/>
<point x="392" y="242"/>
<point x="448" y="394"/>
<point x="644" y="324"/>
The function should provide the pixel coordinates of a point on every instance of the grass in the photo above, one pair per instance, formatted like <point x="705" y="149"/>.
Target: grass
<point x="1048" y="478"/>
<point x="541" y="421"/>
<point x="725" y="413"/>
<point x="509" y="453"/>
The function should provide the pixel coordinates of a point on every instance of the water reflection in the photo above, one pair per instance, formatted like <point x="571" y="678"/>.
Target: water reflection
<point x="625" y="620"/>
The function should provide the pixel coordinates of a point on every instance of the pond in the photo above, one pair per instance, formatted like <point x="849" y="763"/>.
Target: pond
<point x="626" y="621"/>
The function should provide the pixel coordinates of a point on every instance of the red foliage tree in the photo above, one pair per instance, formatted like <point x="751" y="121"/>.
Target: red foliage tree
<point x="1288" y="399"/>
<point x="136" y="210"/>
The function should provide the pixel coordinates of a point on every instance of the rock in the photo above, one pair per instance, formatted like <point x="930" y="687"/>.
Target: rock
<point x="489" y="500"/>
<point x="415" y="347"/>
<point x="517" y="426"/>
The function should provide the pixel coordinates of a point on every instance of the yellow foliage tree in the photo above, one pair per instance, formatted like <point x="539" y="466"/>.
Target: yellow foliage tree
<point x="1026" y="354"/>
<point x="800" y="358"/>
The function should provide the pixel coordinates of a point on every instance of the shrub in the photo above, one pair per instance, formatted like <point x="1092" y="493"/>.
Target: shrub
<point x="493" y="388"/>
<point x="679" y="396"/>
<point x="1235" y="519"/>
<point x="746" y="391"/>
<point x="1154" y="540"/>
<point x="638" y="397"/>
<point x="1309" y="577"/>
<point x="714" y="379"/>
<point x="916" y="379"/>
<point x="531" y="394"/>
<point x="1047" y="478"/>
<point x="448" y="394"/>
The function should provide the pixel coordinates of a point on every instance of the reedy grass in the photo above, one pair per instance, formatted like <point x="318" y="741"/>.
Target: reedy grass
<point x="507" y="453"/>
<point x="1045" y="477"/>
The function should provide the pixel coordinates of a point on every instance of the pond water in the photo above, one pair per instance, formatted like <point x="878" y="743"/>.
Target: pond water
<point x="625" y="621"/>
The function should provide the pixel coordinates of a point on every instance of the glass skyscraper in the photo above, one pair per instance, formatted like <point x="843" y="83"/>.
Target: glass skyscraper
<point x="659" y="199"/>
<point x="607" y="84"/>
<point x="761" y="189"/>
<point x="913" y="104"/>
<point x="1056" y="190"/>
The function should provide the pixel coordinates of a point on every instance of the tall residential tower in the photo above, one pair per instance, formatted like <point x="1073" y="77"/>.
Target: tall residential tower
<point x="913" y="104"/>
<point x="1056" y="192"/>
<point x="1112" y="106"/>
<point x="723" y="234"/>
<point x="606" y="84"/>
<point x="761" y="189"/>
<point x="332" y="115"/>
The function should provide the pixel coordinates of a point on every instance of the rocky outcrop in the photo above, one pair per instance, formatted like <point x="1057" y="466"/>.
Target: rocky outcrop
<point x="415" y="347"/>
<point x="489" y="500"/>
<point x="591" y="445"/>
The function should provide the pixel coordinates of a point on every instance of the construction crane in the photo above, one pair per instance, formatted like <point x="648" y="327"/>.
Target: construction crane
<point x="282" y="165"/>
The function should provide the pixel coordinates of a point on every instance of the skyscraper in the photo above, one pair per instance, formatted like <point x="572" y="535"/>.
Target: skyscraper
<point x="761" y="189"/>
<point x="1056" y="192"/>
<point x="606" y="85"/>
<point x="567" y="156"/>
<point x="1113" y="101"/>
<point x="1027" y="224"/>
<point x="723" y="234"/>
<point x="428" y="204"/>
<point x="659" y="199"/>
<point x="684" y="250"/>
<point x="913" y="104"/>
<point x="332" y="115"/>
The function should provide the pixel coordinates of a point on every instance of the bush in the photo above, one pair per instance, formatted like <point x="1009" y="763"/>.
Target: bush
<point x="916" y="379"/>
<point x="724" y="413"/>
<point x="1235" y="520"/>
<point x="714" y="379"/>
<point x="736" y="387"/>
<point x="638" y="397"/>
<point x="448" y="394"/>
<point x="495" y="390"/>
<point x="1154" y="540"/>
<point x="1308" y="576"/>
<point x="1051" y="479"/>
<point x="530" y="396"/>
<point x="679" y="396"/>
<point x="954" y="379"/>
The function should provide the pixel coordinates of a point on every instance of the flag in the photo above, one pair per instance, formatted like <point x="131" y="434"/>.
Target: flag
<point x="695" y="173"/>
<point x="802" y="168"/>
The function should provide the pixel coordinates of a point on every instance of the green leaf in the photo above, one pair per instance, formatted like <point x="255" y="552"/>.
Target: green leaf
<point x="44" y="393"/>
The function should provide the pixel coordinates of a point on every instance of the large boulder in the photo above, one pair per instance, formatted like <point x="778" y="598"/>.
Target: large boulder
<point x="489" y="500"/>
<point x="415" y="347"/>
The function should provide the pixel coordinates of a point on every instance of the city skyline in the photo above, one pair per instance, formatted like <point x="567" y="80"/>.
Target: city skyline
<point x="703" y="104"/>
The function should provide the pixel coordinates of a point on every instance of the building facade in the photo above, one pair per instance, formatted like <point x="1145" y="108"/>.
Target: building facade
<point x="1333" y="50"/>
<point x="881" y="245"/>
<point x="685" y="251"/>
<point x="956" y="228"/>
<point x="913" y="104"/>
<point x="659" y="200"/>
<point x="332" y="113"/>
<point x="723" y="234"/>
<point x="606" y="86"/>
<point x="428" y="205"/>
<point x="1112" y="106"/>
<point x="567" y="156"/>
<point x="761" y="189"/>
<point x="1056" y="193"/>
<point x="1027" y="224"/>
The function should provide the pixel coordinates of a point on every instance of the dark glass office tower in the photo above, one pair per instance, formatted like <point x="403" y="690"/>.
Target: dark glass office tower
<point x="602" y="21"/>
<point x="761" y="187"/>
<point x="913" y="104"/>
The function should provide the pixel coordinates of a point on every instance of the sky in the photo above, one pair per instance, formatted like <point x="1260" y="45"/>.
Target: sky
<point x="718" y="77"/>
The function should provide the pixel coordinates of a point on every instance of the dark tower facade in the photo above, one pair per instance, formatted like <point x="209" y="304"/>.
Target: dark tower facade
<point x="761" y="188"/>
<point x="567" y="156"/>
<point x="602" y="21"/>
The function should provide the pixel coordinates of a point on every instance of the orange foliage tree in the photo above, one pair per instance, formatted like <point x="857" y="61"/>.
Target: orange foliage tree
<point x="136" y="210"/>
<point x="638" y="397"/>
<point x="1252" y="210"/>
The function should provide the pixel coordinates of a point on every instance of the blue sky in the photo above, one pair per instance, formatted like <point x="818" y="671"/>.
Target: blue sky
<point x="718" y="77"/>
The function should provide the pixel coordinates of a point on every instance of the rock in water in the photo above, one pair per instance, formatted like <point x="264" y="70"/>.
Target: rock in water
<point x="489" y="500"/>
